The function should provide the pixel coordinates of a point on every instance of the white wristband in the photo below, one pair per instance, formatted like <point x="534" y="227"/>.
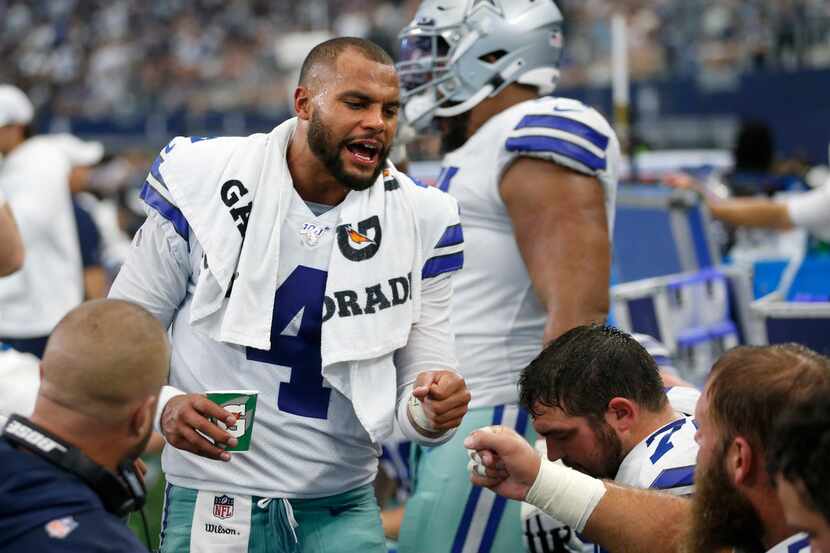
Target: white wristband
<point x="565" y="494"/>
<point x="167" y="393"/>
<point x="412" y="421"/>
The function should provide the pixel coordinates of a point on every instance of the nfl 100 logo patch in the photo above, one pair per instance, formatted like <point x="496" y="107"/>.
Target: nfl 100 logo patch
<point x="223" y="506"/>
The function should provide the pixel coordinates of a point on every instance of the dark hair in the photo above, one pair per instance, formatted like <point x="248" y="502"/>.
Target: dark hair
<point x="800" y="452"/>
<point x="754" y="147"/>
<point x="583" y="369"/>
<point x="750" y="386"/>
<point x="327" y="53"/>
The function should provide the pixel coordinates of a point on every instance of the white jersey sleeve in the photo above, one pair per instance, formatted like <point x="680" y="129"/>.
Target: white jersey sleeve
<point x="811" y="210"/>
<point x="157" y="270"/>
<point x="431" y="342"/>
<point x="158" y="267"/>
<point x="563" y="131"/>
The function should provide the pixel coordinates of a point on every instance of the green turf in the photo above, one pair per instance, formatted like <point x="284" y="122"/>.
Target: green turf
<point x="152" y="510"/>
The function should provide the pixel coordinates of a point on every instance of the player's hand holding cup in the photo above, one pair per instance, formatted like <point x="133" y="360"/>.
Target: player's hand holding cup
<point x="185" y="423"/>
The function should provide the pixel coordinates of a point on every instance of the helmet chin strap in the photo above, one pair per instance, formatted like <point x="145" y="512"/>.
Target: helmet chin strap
<point x="418" y="109"/>
<point x="466" y="105"/>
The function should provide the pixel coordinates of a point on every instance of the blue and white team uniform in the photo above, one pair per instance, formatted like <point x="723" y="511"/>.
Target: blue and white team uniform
<point x="312" y="462"/>
<point x="497" y="318"/>
<point x="797" y="543"/>
<point x="664" y="461"/>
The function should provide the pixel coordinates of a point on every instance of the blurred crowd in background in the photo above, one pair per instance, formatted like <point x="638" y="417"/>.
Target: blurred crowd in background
<point x="126" y="60"/>
<point x="692" y="37"/>
<point x="124" y="57"/>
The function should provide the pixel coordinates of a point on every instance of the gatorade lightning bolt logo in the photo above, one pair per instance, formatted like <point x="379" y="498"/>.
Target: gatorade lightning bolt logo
<point x="362" y="243"/>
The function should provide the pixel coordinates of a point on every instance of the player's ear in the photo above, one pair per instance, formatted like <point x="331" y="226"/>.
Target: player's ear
<point x="740" y="462"/>
<point x="142" y="418"/>
<point x="622" y="413"/>
<point x="302" y="102"/>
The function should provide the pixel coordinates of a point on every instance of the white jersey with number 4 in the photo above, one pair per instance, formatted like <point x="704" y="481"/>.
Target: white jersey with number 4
<point x="497" y="318"/>
<point x="306" y="438"/>
<point x="664" y="461"/>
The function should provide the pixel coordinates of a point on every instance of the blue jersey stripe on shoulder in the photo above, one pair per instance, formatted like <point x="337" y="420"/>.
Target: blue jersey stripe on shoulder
<point x="556" y="146"/>
<point x="566" y="124"/>
<point x="453" y="236"/>
<point x="166" y="209"/>
<point x="156" y="171"/>
<point x="674" y="478"/>
<point x="441" y="264"/>
<point x="798" y="546"/>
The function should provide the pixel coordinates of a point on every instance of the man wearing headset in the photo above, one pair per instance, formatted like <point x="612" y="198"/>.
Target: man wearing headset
<point x="66" y="474"/>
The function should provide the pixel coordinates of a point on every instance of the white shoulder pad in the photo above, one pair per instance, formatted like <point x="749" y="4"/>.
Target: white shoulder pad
<point x="561" y="130"/>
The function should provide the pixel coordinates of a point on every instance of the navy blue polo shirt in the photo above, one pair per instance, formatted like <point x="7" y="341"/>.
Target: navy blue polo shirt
<point x="45" y="508"/>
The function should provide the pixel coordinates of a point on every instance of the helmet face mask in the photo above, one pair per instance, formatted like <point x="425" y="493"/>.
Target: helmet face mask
<point x="456" y="53"/>
<point x="427" y="80"/>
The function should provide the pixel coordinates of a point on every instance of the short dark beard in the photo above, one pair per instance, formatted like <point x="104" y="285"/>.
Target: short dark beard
<point x="324" y="147"/>
<point x="721" y="516"/>
<point x="454" y="132"/>
<point x="611" y="450"/>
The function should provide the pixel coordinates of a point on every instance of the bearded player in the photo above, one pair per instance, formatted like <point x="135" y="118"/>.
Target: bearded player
<point x="535" y="177"/>
<point x="298" y="264"/>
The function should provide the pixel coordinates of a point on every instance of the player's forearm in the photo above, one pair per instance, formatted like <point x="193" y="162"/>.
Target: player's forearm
<point x="11" y="245"/>
<point x="751" y="212"/>
<point x="658" y="524"/>
<point x="576" y="292"/>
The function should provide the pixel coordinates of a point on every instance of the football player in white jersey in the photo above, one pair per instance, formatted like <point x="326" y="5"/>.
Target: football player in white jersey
<point x="599" y="405"/>
<point x="305" y="484"/>
<point x="734" y="506"/>
<point x="535" y="177"/>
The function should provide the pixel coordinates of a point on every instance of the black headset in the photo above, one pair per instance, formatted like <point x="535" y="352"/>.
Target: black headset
<point x="120" y="493"/>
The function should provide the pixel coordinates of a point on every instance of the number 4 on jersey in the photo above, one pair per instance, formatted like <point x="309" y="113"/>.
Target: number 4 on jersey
<point x="295" y="343"/>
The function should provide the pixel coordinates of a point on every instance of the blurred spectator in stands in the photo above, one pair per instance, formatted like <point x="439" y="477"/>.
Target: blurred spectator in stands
<point x="83" y="157"/>
<point x="20" y="374"/>
<point x="127" y="58"/>
<point x="113" y="201"/>
<point x="34" y="176"/>
<point x="743" y="199"/>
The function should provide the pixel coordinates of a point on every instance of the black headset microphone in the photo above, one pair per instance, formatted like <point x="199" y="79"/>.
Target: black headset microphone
<point x="120" y="493"/>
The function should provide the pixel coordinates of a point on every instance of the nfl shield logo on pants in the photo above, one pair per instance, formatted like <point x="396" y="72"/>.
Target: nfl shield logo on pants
<point x="223" y="506"/>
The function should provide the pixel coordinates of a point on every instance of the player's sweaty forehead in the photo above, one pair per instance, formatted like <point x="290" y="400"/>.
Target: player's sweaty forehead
<point x="354" y="71"/>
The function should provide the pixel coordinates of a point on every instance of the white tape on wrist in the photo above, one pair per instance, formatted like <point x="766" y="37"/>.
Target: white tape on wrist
<point x="475" y="465"/>
<point x="419" y="416"/>
<point x="565" y="494"/>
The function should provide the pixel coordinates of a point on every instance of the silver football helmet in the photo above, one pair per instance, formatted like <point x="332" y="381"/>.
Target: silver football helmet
<point x="456" y="53"/>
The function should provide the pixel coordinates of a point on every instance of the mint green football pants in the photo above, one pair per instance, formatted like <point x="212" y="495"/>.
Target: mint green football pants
<point x="206" y="522"/>
<point x="446" y="513"/>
